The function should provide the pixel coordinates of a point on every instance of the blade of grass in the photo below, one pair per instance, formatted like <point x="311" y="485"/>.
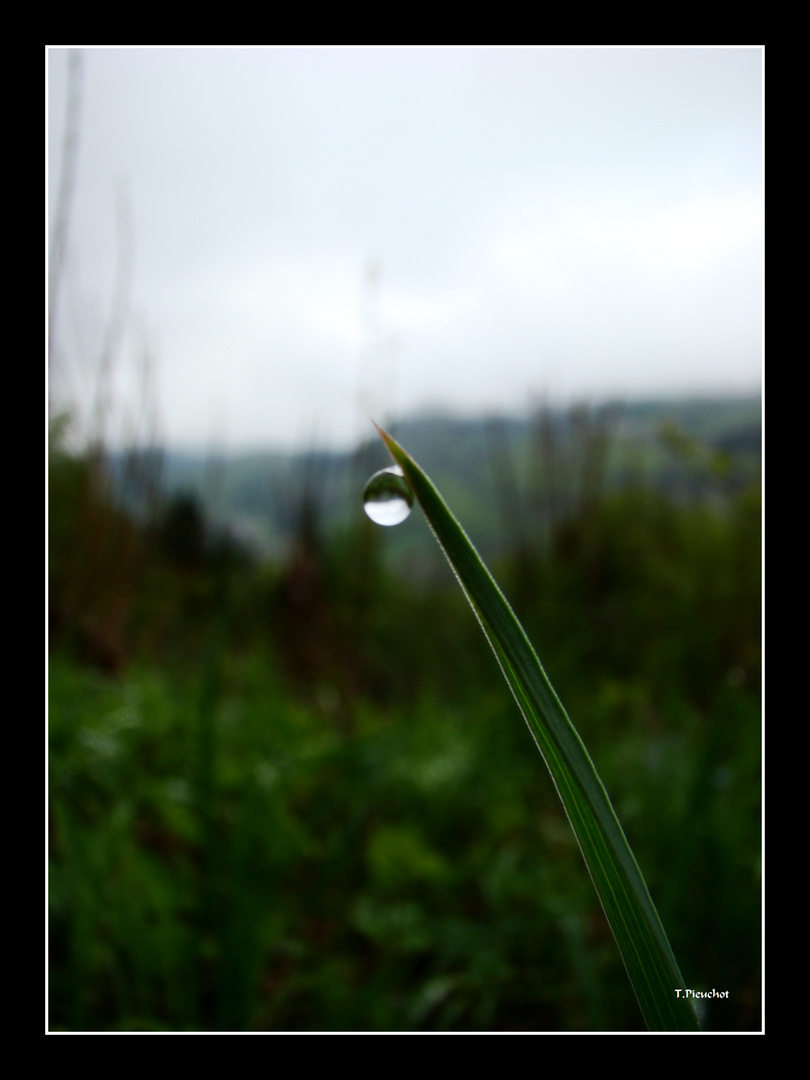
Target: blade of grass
<point x="619" y="883"/>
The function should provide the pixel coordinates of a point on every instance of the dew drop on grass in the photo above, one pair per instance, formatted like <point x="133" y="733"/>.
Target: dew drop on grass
<point x="388" y="498"/>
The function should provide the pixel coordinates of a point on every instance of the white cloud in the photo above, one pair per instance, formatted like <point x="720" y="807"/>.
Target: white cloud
<point x="589" y="218"/>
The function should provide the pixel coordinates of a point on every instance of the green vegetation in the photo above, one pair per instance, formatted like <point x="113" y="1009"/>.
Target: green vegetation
<point x="642" y="940"/>
<point x="502" y="476"/>
<point x="296" y="796"/>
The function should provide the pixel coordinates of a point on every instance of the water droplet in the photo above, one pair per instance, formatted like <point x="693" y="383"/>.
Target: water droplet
<point x="388" y="498"/>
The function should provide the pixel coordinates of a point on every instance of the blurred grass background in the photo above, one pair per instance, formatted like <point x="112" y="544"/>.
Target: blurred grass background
<point x="295" y="794"/>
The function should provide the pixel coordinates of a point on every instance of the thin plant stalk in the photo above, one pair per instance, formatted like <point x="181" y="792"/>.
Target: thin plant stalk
<point x="634" y="921"/>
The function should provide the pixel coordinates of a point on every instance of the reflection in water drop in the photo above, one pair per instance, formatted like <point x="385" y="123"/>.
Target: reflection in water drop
<point x="388" y="498"/>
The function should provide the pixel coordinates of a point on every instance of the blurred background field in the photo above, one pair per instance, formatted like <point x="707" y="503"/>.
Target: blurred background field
<point x="288" y="787"/>
<point x="296" y="795"/>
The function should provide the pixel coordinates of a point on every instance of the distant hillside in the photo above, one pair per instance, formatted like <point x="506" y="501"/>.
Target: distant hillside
<point x="498" y="473"/>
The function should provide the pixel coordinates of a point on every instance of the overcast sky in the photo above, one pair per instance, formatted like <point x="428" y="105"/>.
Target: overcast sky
<point x="323" y="234"/>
